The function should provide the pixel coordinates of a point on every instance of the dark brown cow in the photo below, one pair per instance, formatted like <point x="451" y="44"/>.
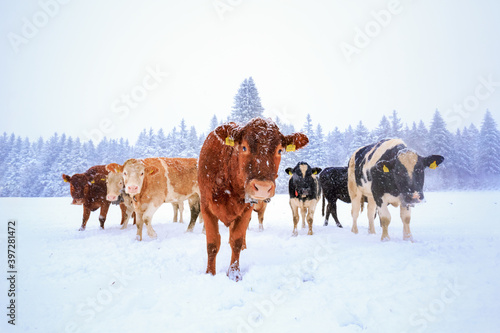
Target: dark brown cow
<point x="237" y="168"/>
<point x="89" y="189"/>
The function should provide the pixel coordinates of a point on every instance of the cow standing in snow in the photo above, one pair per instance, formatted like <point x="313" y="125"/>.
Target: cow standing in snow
<point x="304" y="194"/>
<point x="333" y="183"/>
<point x="89" y="189"/>
<point x="238" y="166"/>
<point x="387" y="172"/>
<point x="153" y="181"/>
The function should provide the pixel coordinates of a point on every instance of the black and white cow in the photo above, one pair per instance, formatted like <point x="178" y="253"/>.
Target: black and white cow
<point x="304" y="194"/>
<point x="387" y="172"/>
<point x="333" y="183"/>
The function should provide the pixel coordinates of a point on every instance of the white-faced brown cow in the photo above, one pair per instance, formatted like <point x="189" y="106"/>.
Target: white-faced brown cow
<point x="387" y="172"/>
<point x="153" y="181"/>
<point x="116" y="192"/>
<point x="238" y="167"/>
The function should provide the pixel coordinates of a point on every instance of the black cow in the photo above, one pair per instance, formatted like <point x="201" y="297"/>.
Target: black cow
<point x="333" y="183"/>
<point x="387" y="172"/>
<point x="304" y="193"/>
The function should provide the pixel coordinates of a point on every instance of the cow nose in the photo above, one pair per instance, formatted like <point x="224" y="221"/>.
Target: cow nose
<point x="262" y="189"/>
<point x="132" y="188"/>
<point x="111" y="197"/>
<point x="415" y="195"/>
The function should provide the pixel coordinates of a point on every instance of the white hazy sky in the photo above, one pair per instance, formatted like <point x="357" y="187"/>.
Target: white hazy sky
<point x="70" y="73"/>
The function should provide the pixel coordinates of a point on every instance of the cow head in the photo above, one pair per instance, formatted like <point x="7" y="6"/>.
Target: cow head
<point x="303" y="181"/>
<point x="258" y="147"/>
<point x="134" y="172"/>
<point x="78" y="184"/>
<point x="407" y="172"/>
<point x="114" y="181"/>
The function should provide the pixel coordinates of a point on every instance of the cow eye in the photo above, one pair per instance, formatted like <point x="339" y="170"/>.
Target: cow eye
<point x="142" y="173"/>
<point x="280" y="151"/>
<point x="124" y="173"/>
<point x="244" y="148"/>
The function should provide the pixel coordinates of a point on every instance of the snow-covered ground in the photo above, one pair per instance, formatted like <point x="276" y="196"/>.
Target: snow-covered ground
<point x="333" y="281"/>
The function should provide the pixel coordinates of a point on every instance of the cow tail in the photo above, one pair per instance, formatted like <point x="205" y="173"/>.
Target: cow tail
<point x="323" y="206"/>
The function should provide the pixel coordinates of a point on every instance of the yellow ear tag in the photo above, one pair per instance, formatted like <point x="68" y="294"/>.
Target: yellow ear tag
<point x="150" y="172"/>
<point x="386" y="169"/>
<point x="433" y="165"/>
<point x="229" y="141"/>
<point x="92" y="182"/>
<point x="290" y="147"/>
<point x="65" y="180"/>
<point x="315" y="172"/>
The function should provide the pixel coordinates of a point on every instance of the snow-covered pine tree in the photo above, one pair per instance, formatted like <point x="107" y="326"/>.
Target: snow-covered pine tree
<point x="463" y="163"/>
<point x="335" y="148"/>
<point x="383" y="131"/>
<point x="489" y="152"/>
<point x="361" y="137"/>
<point x="439" y="141"/>
<point x="214" y="122"/>
<point x="396" y="125"/>
<point x="247" y="103"/>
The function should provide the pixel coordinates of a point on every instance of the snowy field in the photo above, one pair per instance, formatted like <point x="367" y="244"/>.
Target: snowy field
<point x="448" y="280"/>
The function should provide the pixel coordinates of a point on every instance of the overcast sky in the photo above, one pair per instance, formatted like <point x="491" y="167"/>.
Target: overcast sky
<point x="115" y="67"/>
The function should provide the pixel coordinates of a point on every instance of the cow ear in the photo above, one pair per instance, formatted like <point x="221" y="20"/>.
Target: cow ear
<point x="228" y="133"/>
<point x="316" y="171"/>
<point x="288" y="171"/>
<point x="295" y="141"/>
<point x="385" y="166"/>
<point x="151" y="170"/>
<point x="66" y="178"/>
<point x="433" y="161"/>
<point x="114" y="167"/>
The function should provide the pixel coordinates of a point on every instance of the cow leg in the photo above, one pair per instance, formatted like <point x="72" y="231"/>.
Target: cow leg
<point x="355" y="208"/>
<point x="194" y="206"/>
<point x="405" y="217"/>
<point x="372" y="207"/>
<point x="385" y="219"/>
<point x="261" y="217"/>
<point x="334" y="214"/>
<point x="86" y="215"/>
<point x="303" y="211"/>
<point x="310" y="215"/>
<point x="237" y="235"/>
<point x="295" y="213"/>
<point x="147" y="217"/>
<point x="213" y="239"/>
<point x="139" y="223"/>
<point x="103" y="213"/>
<point x="181" y="210"/>
<point x="125" y="215"/>
<point x="328" y="208"/>
<point x="175" y="206"/>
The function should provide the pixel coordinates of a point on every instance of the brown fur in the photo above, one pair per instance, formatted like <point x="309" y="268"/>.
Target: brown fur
<point x="230" y="174"/>
<point x="164" y="180"/>
<point x="89" y="189"/>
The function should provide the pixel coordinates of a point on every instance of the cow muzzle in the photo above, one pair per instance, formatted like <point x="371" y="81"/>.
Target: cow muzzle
<point x="111" y="197"/>
<point x="132" y="189"/>
<point x="260" y="189"/>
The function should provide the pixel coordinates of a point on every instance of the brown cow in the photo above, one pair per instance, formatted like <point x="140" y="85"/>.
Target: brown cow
<point x="89" y="189"/>
<point x="116" y="191"/>
<point x="154" y="181"/>
<point x="237" y="168"/>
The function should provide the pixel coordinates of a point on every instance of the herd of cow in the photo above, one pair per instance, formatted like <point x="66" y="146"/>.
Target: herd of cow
<point x="235" y="175"/>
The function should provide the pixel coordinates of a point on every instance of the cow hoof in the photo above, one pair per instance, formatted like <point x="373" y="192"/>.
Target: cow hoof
<point x="295" y="234"/>
<point x="124" y="227"/>
<point x="81" y="229"/>
<point x="408" y="238"/>
<point x="234" y="274"/>
<point x="310" y="233"/>
<point x="339" y="225"/>
<point x="385" y="238"/>
<point x="152" y="235"/>
<point x="261" y="228"/>
<point x="325" y="224"/>
<point x="138" y="238"/>
<point x="354" y="230"/>
<point x="372" y="232"/>
<point x="189" y="230"/>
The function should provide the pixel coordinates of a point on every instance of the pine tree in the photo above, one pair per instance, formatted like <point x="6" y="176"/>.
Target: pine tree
<point x="489" y="154"/>
<point x="213" y="124"/>
<point x="336" y="153"/>
<point x="246" y="103"/>
<point x="361" y="137"/>
<point x="463" y="159"/>
<point x="383" y="131"/>
<point x="396" y="125"/>
<point x="440" y="142"/>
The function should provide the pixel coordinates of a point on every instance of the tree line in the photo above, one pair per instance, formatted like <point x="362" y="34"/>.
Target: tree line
<point x="472" y="155"/>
